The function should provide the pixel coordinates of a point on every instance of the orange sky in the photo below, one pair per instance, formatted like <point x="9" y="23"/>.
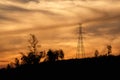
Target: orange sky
<point x="55" y="24"/>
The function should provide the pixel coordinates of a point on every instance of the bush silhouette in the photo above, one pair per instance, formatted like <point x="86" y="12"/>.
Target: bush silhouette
<point x="31" y="58"/>
<point x="54" y="55"/>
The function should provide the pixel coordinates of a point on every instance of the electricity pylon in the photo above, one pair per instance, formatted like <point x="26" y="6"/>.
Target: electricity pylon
<point x="80" y="44"/>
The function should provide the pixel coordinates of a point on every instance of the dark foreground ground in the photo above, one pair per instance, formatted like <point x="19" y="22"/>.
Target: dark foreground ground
<point x="101" y="68"/>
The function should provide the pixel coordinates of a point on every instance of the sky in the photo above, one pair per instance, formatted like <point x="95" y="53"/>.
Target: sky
<point x="55" y="24"/>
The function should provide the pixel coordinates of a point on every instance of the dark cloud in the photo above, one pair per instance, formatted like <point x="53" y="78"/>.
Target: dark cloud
<point x="94" y="29"/>
<point x="5" y="18"/>
<point x="107" y="18"/>
<point x="25" y="1"/>
<point x="105" y="29"/>
<point x="4" y="61"/>
<point x="10" y="46"/>
<point x="5" y="48"/>
<point x="91" y="9"/>
<point x="8" y="13"/>
<point x="12" y="8"/>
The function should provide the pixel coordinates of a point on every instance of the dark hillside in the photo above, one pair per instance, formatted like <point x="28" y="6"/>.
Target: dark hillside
<point x="59" y="69"/>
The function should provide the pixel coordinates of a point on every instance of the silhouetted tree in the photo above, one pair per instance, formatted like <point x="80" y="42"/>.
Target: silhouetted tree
<point x="59" y="54"/>
<point x="33" y="43"/>
<point x="109" y="47"/>
<point x="54" y="55"/>
<point x="96" y="53"/>
<point x="50" y="55"/>
<point x="33" y="57"/>
<point x="8" y="66"/>
<point x="17" y="63"/>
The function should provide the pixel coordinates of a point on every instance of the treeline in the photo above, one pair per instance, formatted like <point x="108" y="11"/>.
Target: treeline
<point x="34" y="56"/>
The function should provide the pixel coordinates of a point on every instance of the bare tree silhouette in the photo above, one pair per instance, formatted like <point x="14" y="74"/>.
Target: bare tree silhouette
<point x="33" y="43"/>
<point x="33" y="57"/>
